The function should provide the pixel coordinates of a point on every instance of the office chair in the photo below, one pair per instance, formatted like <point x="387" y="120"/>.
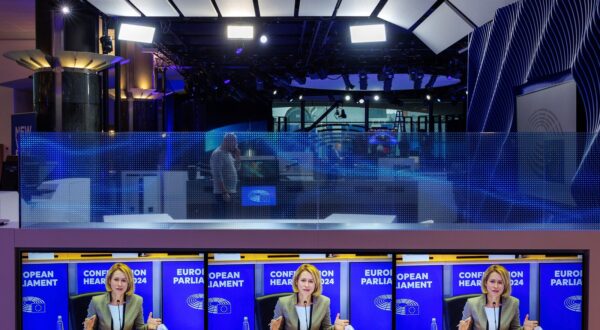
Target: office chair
<point x="265" y="306"/>
<point x="453" y="308"/>
<point x="78" y="306"/>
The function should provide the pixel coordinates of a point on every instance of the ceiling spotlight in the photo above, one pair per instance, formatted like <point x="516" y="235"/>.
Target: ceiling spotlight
<point x="428" y="97"/>
<point x="376" y="97"/>
<point x="292" y="99"/>
<point x="300" y="97"/>
<point x="347" y="97"/>
<point x="439" y="100"/>
<point x="274" y="92"/>
<point x="240" y="32"/>
<point x="65" y="10"/>
<point x="239" y="51"/>
<point x="263" y="39"/>
<point x="361" y="101"/>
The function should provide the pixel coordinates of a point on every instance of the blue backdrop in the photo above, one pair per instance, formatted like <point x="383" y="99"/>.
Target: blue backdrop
<point x="91" y="277"/>
<point x="560" y="296"/>
<point x="183" y="294"/>
<point x="45" y="295"/>
<point x="419" y="295"/>
<point x="371" y="295"/>
<point x="230" y="296"/>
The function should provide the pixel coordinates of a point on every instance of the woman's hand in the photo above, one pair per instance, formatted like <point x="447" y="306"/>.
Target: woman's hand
<point x="88" y="323"/>
<point x="465" y="324"/>
<point x="153" y="323"/>
<point x="276" y="323"/>
<point x="529" y="324"/>
<point x="340" y="324"/>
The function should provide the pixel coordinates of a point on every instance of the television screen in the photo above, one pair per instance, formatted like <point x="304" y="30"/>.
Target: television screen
<point x="58" y="287"/>
<point x="259" y="196"/>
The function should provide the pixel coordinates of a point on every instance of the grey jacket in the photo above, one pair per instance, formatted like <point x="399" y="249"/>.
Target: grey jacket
<point x="134" y="317"/>
<point x="320" y="319"/>
<point x="509" y="314"/>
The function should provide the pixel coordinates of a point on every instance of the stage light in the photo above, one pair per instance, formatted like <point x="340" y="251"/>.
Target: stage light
<point x="264" y="39"/>
<point x="376" y="97"/>
<point x="300" y="78"/>
<point x="431" y="81"/>
<point x="240" y="32"/>
<point x="65" y="10"/>
<point x="362" y="81"/>
<point x="106" y="43"/>
<point x="239" y="51"/>
<point x="387" y="81"/>
<point x="137" y="33"/>
<point x="439" y="100"/>
<point x="274" y="92"/>
<point x="300" y="97"/>
<point x="428" y="97"/>
<point x="347" y="82"/>
<point x="361" y="101"/>
<point x="226" y="81"/>
<point x="347" y="97"/>
<point x="367" y="33"/>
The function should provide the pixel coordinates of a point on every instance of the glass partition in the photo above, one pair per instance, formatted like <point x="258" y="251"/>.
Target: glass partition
<point x="380" y="177"/>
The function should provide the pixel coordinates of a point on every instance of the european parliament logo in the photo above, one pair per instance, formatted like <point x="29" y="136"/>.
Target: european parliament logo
<point x="404" y="306"/>
<point x="34" y="305"/>
<point x="196" y="301"/>
<point x="573" y="303"/>
<point x="383" y="302"/>
<point x="218" y="305"/>
<point x="407" y="307"/>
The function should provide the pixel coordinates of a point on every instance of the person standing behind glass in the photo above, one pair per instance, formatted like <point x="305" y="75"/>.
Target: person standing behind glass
<point x="495" y="309"/>
<point x="224" y="164"/>
<point x="306" y="308"/>
<point x="119" y="308"/>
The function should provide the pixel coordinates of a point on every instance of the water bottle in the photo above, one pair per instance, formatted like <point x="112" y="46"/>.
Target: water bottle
<point x="59" y="323"/>
<point x="245" y="324"/>
<point x="433" y="324"/>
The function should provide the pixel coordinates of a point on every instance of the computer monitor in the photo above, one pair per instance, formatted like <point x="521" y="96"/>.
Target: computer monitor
<point x="259" y="170"/>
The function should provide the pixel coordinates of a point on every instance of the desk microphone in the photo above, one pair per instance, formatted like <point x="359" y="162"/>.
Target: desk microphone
<point x="495" y="321"/>
<point x="119" y="311"/>
<point x="306" y="315"/>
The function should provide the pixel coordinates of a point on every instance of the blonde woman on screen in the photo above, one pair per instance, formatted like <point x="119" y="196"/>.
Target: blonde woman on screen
<point x="119" y="308"/>
<point x="495" y="309"/>
<point x="307" y="308"/>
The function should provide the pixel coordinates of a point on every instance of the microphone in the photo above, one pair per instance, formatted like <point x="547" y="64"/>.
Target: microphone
<point x="306" y="315"/>
<point x="495" y="321"/>
<point x="119" y="310"/>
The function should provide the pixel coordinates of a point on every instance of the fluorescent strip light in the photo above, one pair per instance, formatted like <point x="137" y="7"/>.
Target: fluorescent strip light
<point x="367" y="33"/>
<point x="240" y="32"/>
<point x="138" y="33"/>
